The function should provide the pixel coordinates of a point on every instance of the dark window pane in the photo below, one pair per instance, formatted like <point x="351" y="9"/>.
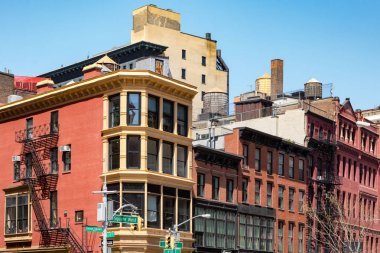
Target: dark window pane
<point x="29" y="128"/>
<point x="153" y="147"/>
<point x="54" y="160"/>
<point x="154" y="211"/>
<point x="137" y="199"/>
<point x="133" y="152"/>
<point x="28" y="165"/>
<point x="153" y="112"/>
<point x="201" y="185"/>
<point x="53" y="209"/>
<point x="215" y="188"/>
<point x="183" y="214"/>
<point x="169" y="191"/>
<point x="169" y="212"/>
<point x="16" y="170"/>
<point x="133" y="186"/>
<point x="168" y="116"/>
<point x="66" y="157"/>
<point x="167" y="158"/>
<point x="114" y="110"/>
<point x="134" y="109"/>
<point x="183" y="194"/>
<point x="182" y="124"/>
<point x="54" y="122"/>
<point x="182" y="161"/>
<point x="114" y="154"/>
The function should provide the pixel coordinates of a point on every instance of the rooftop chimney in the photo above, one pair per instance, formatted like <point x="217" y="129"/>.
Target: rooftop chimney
<point x="92" y="71"/>
<point x="44" y="85"/>
<point x="277" y="77"/>
<point x="219" y="53"/>
<point x="208" y="36"/>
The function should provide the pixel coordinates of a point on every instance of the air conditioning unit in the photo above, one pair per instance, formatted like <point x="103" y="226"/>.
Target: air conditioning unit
<point x="320" y="178"/>
<point x="65" y="148"/>
<point x="16" y="158"/>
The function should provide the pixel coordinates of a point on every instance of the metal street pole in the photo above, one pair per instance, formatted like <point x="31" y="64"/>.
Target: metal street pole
<point x="105" y="219"/>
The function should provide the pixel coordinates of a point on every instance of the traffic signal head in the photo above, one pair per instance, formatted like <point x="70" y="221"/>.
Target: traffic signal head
<point x="168" y="241"/>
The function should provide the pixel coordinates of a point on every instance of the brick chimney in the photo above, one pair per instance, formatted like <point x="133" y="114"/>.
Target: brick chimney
<point x="44" y="85"/>
<point x="92" y="71"/>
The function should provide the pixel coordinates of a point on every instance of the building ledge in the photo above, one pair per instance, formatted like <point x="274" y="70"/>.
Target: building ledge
<point x="21" y="237"/>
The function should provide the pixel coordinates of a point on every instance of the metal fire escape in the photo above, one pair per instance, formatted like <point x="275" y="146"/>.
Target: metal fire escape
<point x="37" y="142"/>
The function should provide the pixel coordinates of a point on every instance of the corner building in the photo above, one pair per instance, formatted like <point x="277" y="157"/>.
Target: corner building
<point x="129" y="128"/>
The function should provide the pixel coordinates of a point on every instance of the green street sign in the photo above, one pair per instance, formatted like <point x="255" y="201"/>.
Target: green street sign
<point x="94" y="229"/>
<point x="168" y="251"/>
<point x="110" y="234"/>
<point x="177" y="251"/>
<point x="125" y="219"/>
<point x="178" y="245"/>
<point x="162" y="244"/>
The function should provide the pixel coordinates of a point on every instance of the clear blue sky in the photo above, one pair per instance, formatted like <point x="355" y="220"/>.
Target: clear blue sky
<point x="334" y="41"/>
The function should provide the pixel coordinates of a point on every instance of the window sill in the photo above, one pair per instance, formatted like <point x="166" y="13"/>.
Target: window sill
<point x="66" y="172"/>
<point x="20" y="237"/>
<point x="301" y="213"/>
<point x="282" y="210"/>
<point x="291" y="211"/>
<point x="78" y="222"/>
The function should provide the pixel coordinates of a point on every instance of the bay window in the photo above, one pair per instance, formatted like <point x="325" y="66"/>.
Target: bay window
<point x="17" y="217"/>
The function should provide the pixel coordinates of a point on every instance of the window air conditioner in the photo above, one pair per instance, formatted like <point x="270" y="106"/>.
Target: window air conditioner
<point x="65" y="148"/>
<point x="16" y="158"/>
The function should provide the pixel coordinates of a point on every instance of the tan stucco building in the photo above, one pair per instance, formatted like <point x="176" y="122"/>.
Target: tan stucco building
<point x="193" y="59"/>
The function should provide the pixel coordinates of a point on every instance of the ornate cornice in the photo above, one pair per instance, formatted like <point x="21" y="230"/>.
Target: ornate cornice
<point x="94" y="87"/>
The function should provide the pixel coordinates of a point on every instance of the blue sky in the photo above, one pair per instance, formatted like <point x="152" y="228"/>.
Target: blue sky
<point x="334" y="41"/>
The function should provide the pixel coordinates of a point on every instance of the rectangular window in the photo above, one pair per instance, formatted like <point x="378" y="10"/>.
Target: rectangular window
<point x="153" y="148"/>
<point x="183" y="54"/>
<point x="300" y="238"/>
<point x="310" y="165"/>
<point x="29" y="128"/>
<point x="280" y="236"/>
<point x="167" y="158"/>
<point x="203" y="79"/>
<point x="182" y="124"/>
<point x="183" y="73"/>
<point x="281" y="190"/>
<point x="54" y="122"/>
<point x="168" y="116"/>
<point x="169" y="211"/>
<point x="181" y="161"/>
<point x="230" y="190"/>
<point x="269" y="194"/>
<point x="53" y="209"/>
<point x="301" y="170"/>
<point x="257" y="192"/>
<point x="184" y="214"/>
<point x="215" y="188"/>
<point x="79" y="216"/>
<point x="114" y="154"/>
<point x="16" y="214"/>
<point x="153" y="112"/>
<point x="134" y="116"/>
<point x="28" y="165"/>
<point x="269" y="163"/>
<point x="245" y="155"/>
<point x="319" y="167"/>
<point x="154" y="206"/>
<point x="159" y="67"/>
<point x="114" y="111"/>
<point x="245" y="190"/>
<point x="133" y="152"/>
<point x="203" y="60"/>
<point x="257" y="160"/>
<point x="201" y="185"/>
<point x="16" y="170"/>
<point x="290" y="238"/>
<point x="291" y="199"/>
<point x="291" y="167"/>
<point x="66" y="158"/>
<point x="311" y="130"/>
<point x="54" y="160"/>
<point x="281" y="170"/>
<point x="301" y="195"/>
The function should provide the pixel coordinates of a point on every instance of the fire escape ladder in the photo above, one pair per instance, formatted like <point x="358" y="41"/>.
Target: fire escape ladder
<point x="41" y="186"/>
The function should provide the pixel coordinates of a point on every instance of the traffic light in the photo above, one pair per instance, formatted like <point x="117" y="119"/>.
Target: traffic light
<point x="140" y="223"/>
<point x="168" y="241"/>
<point x="134" y="227"/>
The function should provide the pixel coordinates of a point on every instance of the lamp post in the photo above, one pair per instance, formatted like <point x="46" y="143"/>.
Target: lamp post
<point x="175" y="232"/>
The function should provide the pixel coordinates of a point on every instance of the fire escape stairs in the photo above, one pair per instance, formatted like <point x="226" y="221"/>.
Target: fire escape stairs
<point x="41" y="185"/>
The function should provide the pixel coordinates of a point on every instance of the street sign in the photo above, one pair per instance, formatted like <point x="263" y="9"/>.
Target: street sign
<point x="162" y="244"/>
<point x="178" y="245"/>
<point x="177" y="251"/>
<point x="168" y="251"/>
<point x="125" y="219"/>
<point x="109" y="242"/>
<point x="94" y="229"/>
<point x="110" y="234"/>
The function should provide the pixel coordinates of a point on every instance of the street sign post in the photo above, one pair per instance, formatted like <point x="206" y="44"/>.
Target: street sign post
<point x="125" y="219"/>
<point x="94" y="229"/>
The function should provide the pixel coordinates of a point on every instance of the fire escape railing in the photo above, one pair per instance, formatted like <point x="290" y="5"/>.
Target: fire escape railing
<point x="37" y="142"/>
